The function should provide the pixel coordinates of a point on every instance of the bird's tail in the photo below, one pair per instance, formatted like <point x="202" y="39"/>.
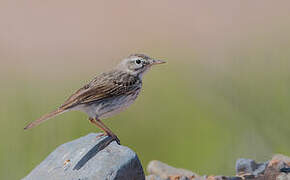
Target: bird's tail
<point x="44" y="118"/>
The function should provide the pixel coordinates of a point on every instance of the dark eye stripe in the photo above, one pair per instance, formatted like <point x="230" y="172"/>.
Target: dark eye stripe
<point x="138" y="61"/>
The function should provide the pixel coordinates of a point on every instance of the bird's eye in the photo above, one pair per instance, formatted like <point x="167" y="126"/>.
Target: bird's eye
<point x="138" y="61"/>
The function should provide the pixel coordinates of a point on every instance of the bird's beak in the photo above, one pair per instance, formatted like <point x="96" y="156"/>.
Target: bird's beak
<point x="157" y="61"/>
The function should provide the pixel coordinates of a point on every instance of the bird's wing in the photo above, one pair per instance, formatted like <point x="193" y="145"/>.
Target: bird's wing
<point x="101" y="88"/>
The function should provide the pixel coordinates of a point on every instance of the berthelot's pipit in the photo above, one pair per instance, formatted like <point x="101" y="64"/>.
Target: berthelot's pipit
<point x="107" y="94"/>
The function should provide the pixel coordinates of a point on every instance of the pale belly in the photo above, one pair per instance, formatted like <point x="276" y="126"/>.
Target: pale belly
<point x="109" y="107"/>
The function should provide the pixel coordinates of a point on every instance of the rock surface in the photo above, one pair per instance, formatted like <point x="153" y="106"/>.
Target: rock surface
<point x="278" y="168"/>
<point x="162" y="171"/>
<point x="89" y="158"/>
<point x="249" y="166"/>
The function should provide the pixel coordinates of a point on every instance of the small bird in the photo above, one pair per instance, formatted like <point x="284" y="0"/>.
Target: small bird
<point x="108" y="93"/>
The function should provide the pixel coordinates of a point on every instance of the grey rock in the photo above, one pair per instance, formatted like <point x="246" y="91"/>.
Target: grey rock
<point x="185" y="178"/>
<point x="250" y="166"/>
<point x="285" y="170"/>
<point x="165" y="171"/>
<point x="260" y="168"/>
<point x="89" y="158"/>
<point x="235" y="178"/>
<point x="283" y="162"/>
<point x="283" y="176"/>
<point x="245" y="166"/>
<point x="153" y="177"/>
<point x="156" y="177"/>
<point x="280" y="157"/>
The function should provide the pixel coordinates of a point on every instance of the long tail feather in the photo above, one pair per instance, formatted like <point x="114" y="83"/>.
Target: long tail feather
<point x="44" y="118"/>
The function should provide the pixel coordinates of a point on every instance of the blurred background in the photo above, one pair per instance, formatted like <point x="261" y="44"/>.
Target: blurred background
<point x="223" y="94"/>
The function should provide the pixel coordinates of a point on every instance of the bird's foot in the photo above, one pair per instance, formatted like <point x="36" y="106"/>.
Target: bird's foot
<point x="112" y="136"/>
<point x="115" y="138"/>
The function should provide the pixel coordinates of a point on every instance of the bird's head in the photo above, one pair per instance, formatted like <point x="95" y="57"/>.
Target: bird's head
<point x="138" y="64"/>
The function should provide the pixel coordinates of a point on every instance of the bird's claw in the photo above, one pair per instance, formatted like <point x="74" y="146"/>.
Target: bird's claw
<point x="115" y="138"/>
<point x="112" y="136"/>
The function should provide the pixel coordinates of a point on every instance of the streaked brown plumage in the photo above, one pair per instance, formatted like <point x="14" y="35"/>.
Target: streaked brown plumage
<point x="108" y="93"/>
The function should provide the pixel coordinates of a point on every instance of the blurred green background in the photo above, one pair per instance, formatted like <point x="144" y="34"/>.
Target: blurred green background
<point x="224" y="93"/>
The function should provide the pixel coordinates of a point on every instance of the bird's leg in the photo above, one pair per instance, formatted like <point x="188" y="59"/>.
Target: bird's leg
<point x="93" y="121"/>
<point x="106" y="130"/>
